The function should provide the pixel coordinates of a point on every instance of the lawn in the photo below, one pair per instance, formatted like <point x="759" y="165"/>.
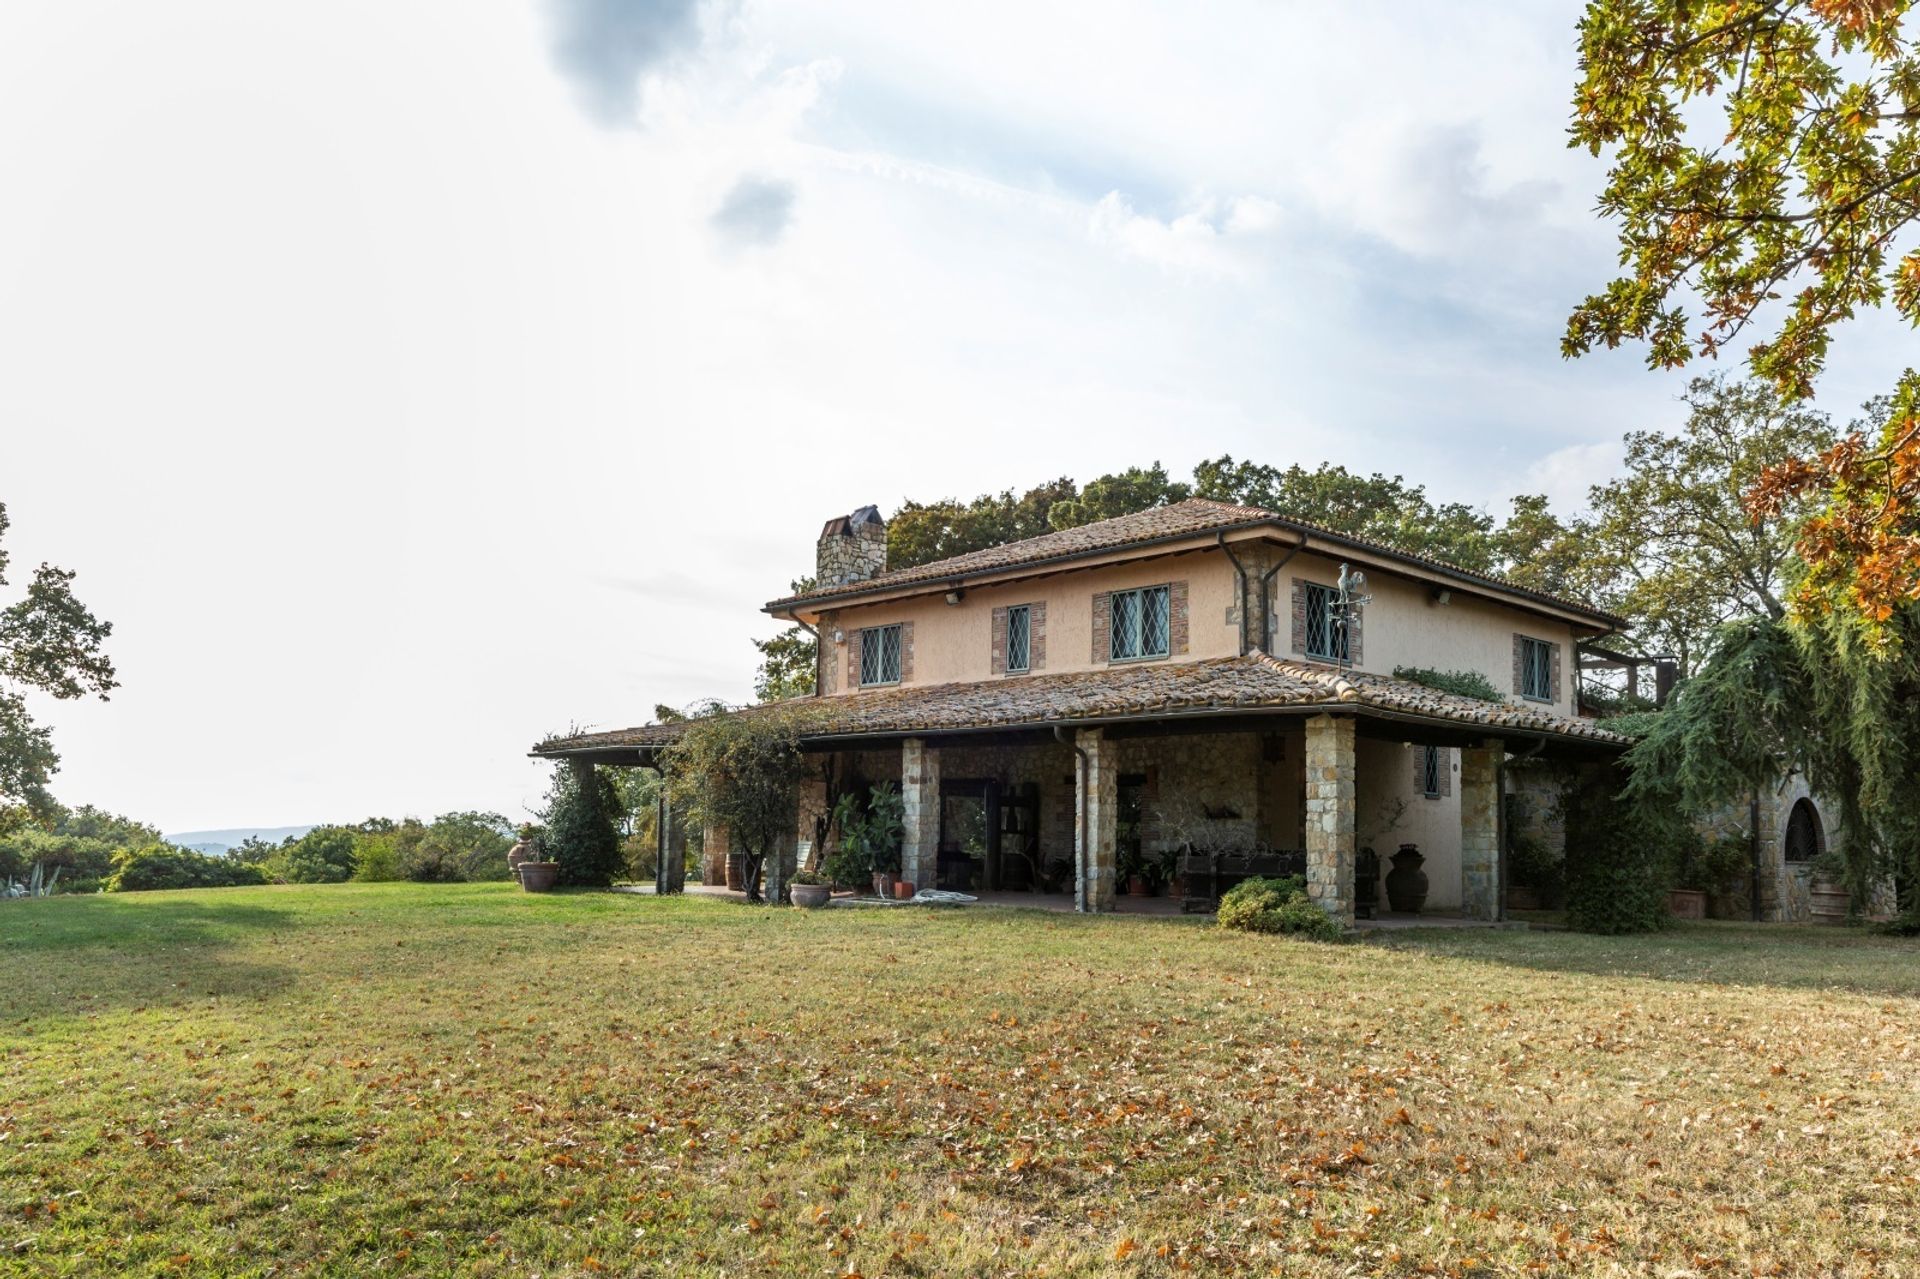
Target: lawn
<point x="391" y="1079"/>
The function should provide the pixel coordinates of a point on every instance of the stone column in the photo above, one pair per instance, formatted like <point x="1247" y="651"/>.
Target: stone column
<point x="1330" y="815"/>
<point x="1480" y="829"/>
<point x="715" y="843"/>
<point x="670" y="871"/>
<point x="1096" y="810"/>
<point x="920" y="812"/>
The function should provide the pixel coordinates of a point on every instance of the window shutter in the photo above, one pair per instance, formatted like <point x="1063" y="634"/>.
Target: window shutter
<point x="1177" y="617"/>
<point x="998" y="662"/>
<point x="1036" y="636"/>
<point x="1299" y="616"/>
<point x="1554" y="680"/>
<point x="1519" y="664"/>
<point x="854" y="643"/>
<point x="1102" y="629"/>
<point x="906" y="652"/>
<point x="1356" y="630"/>
<point x="1419" y="754"/>
<point x="1446" y="771"/>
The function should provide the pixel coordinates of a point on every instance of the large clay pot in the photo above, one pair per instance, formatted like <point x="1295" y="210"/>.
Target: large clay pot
<point x="1406" y="882"/>
<point x="902" y="890"/>
<point x="810" y="896"/>
<point x="1137" y="886"/>
<point x="539" y="877"/>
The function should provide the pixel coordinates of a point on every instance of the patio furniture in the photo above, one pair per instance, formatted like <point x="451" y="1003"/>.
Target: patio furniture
<point x="1209" y="873"/>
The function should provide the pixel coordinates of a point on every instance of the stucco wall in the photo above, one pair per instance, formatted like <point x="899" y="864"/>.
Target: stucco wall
<point x="1403" y="626"/>
<point x="953" y="642"/>
<point x="1392" y="811"/>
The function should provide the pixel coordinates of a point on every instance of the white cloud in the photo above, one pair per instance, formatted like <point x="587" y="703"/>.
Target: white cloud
<point x="362" y="410"/>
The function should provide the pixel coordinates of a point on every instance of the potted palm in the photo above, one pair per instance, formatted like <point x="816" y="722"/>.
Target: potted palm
<point x="810" y="890"/>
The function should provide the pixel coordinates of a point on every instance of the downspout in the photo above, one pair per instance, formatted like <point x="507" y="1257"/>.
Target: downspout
<point x="1080" y="832"/>
<point x="819" y="656"/>
<point x="1266" y="579"/>
<point x="1753" y="842"/>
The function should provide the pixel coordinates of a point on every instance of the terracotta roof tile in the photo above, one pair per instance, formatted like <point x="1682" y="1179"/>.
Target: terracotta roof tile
<point x="1193" y="516"/>
<point x="1252" y="683"/>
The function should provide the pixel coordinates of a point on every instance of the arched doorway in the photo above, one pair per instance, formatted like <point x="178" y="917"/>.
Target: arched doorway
<point x="1806" y="839"/>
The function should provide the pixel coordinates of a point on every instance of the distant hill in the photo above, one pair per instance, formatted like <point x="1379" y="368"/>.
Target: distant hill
<point x="220" y="841"/>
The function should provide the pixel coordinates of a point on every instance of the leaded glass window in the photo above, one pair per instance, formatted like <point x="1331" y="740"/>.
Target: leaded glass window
<point x="1019" y="637"/>
<point x="1536" y="670"/>
<point x="1140" y="623"/>
<point x="880" y="655"/>
<point x="1430" y="772"/>
<point x="1326" y="629"/>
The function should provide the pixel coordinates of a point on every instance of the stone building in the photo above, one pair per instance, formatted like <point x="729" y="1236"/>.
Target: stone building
<point x="1199" y="675"/>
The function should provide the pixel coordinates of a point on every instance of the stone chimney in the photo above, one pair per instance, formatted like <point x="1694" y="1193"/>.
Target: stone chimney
<point x="852" y="548"/>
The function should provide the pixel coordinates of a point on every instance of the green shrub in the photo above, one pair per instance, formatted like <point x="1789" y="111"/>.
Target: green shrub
<point x="164" y="866"/>
<point x="1276" y="906"/>
<point x="1617" y="859"/>
<point x="1459" y="683"/>
<point x="376" y="859"/>
<point x="582" y="828"/>
<point x="1532" y="865"/>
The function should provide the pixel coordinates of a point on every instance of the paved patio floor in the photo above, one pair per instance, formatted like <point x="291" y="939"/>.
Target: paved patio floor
<point x="1062" y="903"/>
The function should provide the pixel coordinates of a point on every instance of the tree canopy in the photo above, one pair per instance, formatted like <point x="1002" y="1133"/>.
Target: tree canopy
<point x="1791" y="207"/>
<point x="51" y="643"/>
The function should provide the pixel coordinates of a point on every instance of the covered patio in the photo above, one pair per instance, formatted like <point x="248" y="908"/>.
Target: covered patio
<point x="1046" y="790"/>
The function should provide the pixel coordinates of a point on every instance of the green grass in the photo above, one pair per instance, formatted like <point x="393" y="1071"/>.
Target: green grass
<point x="390" y="1079"/>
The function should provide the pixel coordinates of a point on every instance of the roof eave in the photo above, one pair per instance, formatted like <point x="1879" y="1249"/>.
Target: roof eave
<point x="788" y="608"/>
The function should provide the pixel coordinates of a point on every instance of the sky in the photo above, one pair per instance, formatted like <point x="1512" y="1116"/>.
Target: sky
<point x="405" y="382"/>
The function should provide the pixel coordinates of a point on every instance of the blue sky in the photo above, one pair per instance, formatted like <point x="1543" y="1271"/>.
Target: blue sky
<point x="407" y="381"/>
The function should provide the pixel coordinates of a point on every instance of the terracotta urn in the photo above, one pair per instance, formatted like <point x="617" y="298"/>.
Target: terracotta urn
<point x="883" y="882"/>
<point x="1406" y="882"/>
<point x="810" y="896"/>
<point x="539" y="877"/>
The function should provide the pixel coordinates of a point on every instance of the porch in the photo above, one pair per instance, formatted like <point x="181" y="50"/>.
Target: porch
<point x="1063" y="904"/>
<point x="1054" y="821"/>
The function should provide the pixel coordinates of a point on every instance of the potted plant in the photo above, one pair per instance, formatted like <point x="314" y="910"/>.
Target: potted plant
<point x="1133" y="872"/>
<point x="810" y="890"/>
<point x="1827" y="892"/>
<point x="1406" y="882"/>
<point x="870" y="834"/>
<point x="524" y="849"/>
<point x="1536" y="878"/>
<point x="539" y="877"/>
<point x="1687" y="897"/>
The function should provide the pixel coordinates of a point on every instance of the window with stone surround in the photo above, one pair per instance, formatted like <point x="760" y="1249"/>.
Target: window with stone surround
<point x="1326" y="631"/>
<point x="1138" y="624"/>
<point x="1536" y="670"/>
<point x="1019" y="638"/>
<point x="880" y="655"/>
<point x="1430" y="771"/>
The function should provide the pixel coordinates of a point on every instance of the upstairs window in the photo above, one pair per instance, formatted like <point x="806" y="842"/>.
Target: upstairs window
<point x="1139" y="623"/>
<point x="880" y="655"/>
<point x="1326" y="632"/>
<point x="1019" y="638"/>
<point x="1536" y="670"/>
